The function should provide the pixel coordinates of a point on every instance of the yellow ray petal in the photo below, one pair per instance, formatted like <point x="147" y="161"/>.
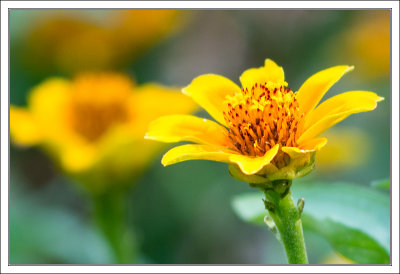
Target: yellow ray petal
<point x="343" y="102"/>
<point x="176" y="128"/>
<point x="209" y="91"/>
<point x="294" y="152"/>
<point x="77" y="158"/>
<point x="195" y="152"/>
<point x="314" y="144"/>
<point x="48" y="103"/>
<point x="151" y="101"/>
<point x="24" y="130"/>
<point x="252" y="165"/>
<point x="315" y="87"/>
<point x="347" y="104"/>
<point x="248" y="165"/>
<point x="306" y="147"/>
<point x="270" y="72"/>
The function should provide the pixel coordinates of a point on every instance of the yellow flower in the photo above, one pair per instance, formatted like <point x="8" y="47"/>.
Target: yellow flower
<point x="68" y="41"/>
<point x="137" y="29"/>
<point x="348" y="148"/>
<point x="94" y="125"/>
<point x="368" y="43"/>
<point x="265" y="128"/>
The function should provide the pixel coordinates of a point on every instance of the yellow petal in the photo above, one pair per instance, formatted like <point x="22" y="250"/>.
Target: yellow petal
<point x="307" y="147"/>
<point x="151" y="101"/>
<point x="352" y="102"/>
<point x="48" y="102"/>
<point x="314" y="144"/>
<point x="24" y="130"/>
<point x="252" y="165"/>
<point x="77" y="158"/>
<point x="315" y="87"/>
<point x="176" y="128"/>
<point x="343" y="102"/>
<point x="270" y="72"/>
<point x="209" y="91"/>
<point x="195" y="152"/>
<point x="248" y="165"/>
<point x="294" y="152"/>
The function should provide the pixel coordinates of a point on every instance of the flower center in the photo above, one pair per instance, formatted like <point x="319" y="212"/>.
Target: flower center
<point x="98" y="103"/>
<point x="262" y="117"/>
<point x="92" y="121"/>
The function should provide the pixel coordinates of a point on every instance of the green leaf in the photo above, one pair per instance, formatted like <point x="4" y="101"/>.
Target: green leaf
<point x="42" y="235"/>
<point x="250" y="208"/>
<point x="358" y="217"/>
<point x="351" y="243"/>
<point x="351" y="205"/>
<point x="381" y="184"/>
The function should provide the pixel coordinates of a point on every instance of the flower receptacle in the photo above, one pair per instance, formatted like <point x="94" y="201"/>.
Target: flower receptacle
<point x="296" y="168"/>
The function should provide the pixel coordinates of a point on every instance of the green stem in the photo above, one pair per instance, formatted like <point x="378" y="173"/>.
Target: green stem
<point x="286" y="216"/>
<point x="110" y="216"/>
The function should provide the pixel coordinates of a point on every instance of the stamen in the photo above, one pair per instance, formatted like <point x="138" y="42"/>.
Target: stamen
<point x="261" y="118"/>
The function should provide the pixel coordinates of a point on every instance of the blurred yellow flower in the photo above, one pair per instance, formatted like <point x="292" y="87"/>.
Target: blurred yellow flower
<point x="347" y="148"/>
<point x="94" y="125"/>
<point x="67" y="41"/>
<point x="266" y="129"/>
<point x="137" y="29"/>
<point x="367" y="43"/>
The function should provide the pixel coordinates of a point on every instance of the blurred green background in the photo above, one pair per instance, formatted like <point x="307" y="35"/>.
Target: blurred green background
<point x="182" y="214"/>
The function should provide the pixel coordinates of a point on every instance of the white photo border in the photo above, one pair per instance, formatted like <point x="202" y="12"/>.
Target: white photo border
<point x="6" y="5"/>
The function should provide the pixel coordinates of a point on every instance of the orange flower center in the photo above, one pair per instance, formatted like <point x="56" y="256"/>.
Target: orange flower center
<point x="98" y="103"/>
<point x="91" y="121"/>
<point x="262" y="117"/>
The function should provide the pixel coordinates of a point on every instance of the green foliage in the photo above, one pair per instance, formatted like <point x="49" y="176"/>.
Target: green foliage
<point x="381" y="184"/>
<point x="353" y="219"/>
<point x="249" y="207"/>
<point x="351" y="243"/>
<point x="54" y="235"/>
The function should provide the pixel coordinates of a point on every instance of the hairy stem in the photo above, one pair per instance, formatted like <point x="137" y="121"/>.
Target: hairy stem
<point x="286" y="216"/>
